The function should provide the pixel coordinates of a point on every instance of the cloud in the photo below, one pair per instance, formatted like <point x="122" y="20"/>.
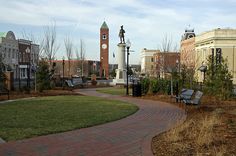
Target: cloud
<point x="145" y="22"/>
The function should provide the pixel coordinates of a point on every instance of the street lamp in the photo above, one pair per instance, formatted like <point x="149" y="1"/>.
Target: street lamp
<point x="178" y="66"/>
<point x="28" y="73"/>
<point x="63" y="65"/>
<point x="128" y="45"/>
<point x="177" y="83"/>
<point x="203" y="69"/>
<point x="101" y="69"/>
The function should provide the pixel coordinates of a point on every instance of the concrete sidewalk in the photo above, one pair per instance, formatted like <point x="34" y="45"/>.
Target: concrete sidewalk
<point x="130" y="136"/>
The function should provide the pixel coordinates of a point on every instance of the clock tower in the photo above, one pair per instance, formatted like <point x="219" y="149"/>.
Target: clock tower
<point x="104" y="51"/>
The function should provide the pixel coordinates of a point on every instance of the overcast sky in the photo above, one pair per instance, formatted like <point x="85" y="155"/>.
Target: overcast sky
<point x="145" y="21"/>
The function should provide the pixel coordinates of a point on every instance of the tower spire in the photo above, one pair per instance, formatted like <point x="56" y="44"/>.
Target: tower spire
<point x="104" y="25"/>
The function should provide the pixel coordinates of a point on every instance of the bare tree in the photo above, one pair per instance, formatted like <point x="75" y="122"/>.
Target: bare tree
<point x="80" y="54"/>
<point x="69" y="51"/>
<point x="167" y="45"/>
<point x="49" y="42"/>
<point x="29" y="36"/>
<point x="41" y="49"/>
<point x="77" y="53"/>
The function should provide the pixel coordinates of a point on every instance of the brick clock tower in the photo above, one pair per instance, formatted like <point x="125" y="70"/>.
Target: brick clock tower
<point x="104" y="51"/>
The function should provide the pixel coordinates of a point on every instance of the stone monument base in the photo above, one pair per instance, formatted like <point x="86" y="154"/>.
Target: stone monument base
<point x="121" y="71"/>
<point x="120" y="77"/>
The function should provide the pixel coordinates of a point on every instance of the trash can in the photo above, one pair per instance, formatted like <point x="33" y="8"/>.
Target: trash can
<point x="137" y="91"/>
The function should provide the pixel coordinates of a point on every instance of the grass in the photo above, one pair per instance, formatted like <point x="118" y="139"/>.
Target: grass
<point x="114" y="91"/>
<point x="47" y="115"/>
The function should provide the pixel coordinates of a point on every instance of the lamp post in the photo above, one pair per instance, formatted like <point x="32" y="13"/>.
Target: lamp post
<point x="178" y="66"/>
<point x="177" y="84"/>
<point x="203" y="69"/>
<point x="63" y="65"/>
<point x="128" y="45"/>
<point x="101" y="68"/>
<point x="28" y="73"/>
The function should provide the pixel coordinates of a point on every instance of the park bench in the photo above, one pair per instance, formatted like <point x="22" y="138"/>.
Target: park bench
<point x="79" y="81"/>
<point x="185" y="94"/>
<point x="69" y="84"/>
<point x="4" y="91"/>
<point x="196" y="100"/>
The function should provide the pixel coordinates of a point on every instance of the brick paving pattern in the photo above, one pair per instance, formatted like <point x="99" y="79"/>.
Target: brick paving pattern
<point x="130" y="136"/>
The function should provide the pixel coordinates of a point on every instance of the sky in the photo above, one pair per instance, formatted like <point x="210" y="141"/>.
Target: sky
<point x="146" y="22"/>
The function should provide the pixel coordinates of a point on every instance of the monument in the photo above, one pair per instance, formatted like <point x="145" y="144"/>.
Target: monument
<point x="121" y="71"/>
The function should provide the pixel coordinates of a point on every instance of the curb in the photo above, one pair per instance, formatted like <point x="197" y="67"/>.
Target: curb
<point x="2" y="141"/>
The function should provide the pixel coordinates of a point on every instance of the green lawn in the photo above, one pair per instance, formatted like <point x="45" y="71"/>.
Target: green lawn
<point x="114" y="91"/>
<point x="46" y="115"/>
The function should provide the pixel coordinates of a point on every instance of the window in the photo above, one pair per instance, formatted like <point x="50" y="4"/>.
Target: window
<point x="19" y="57"/>
<point x="13" y="53"/>
<point x="9" y="54"/>
<point x="104" y="36"/>
<point x="23" y="72"/>
<point x="152" y="59"/>
<point x="190" y="36"/>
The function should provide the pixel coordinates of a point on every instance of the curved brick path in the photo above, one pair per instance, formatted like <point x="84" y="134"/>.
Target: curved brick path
<point x="127" y="137"/>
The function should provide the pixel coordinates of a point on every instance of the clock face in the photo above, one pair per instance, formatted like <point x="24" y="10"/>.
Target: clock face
<point x="104" y="46"/>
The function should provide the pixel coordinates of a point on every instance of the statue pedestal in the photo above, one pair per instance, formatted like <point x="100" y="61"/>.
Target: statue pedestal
<point x="121" y="71"/>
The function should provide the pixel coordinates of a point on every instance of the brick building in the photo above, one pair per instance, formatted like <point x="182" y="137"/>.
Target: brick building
<point x="88" y="68"/>
<point x="166" y="63"/>
<point x="187" y="49"/>
<point x="28" y="58"/>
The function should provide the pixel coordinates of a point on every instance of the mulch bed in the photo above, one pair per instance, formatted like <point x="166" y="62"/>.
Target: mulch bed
<point x="224" y="134"/>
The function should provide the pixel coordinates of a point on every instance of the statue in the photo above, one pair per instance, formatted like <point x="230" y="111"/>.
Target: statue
<point x="121" y="35"/>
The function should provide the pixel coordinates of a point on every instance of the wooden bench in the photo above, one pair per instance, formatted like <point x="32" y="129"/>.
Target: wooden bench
<point x="4" y="91"/>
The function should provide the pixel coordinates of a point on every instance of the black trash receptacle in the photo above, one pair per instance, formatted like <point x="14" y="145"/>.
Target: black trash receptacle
<point x="137" y="92"/>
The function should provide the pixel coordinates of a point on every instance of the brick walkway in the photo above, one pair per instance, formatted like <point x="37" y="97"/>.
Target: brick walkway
<point x="130" y="136"/>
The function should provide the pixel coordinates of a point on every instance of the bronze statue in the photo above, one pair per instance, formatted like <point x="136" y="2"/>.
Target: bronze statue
<point x="121" y="35"/>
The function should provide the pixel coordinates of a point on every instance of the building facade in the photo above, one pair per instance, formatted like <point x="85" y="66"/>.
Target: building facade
<point x="78" y="68"/>
<point x="19" y="55"/>
<point x="28" y="58"/>
<point x="147" y="62"/>
<point x="104" y="50"/>
<point x="9" y="51"/>
<point x="166" y="63"/>
<point x="187" y="49"/>
<point x="220" y="42"/>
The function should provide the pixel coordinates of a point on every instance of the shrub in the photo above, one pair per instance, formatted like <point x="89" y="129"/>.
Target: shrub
<point x="2" y="75"/>
<point x="145" y="85"/>
<point x="165" y="86"/>
<point x="218" y="79"/>
<point x="43" y="76"/>
<point x="154" y="87"/>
